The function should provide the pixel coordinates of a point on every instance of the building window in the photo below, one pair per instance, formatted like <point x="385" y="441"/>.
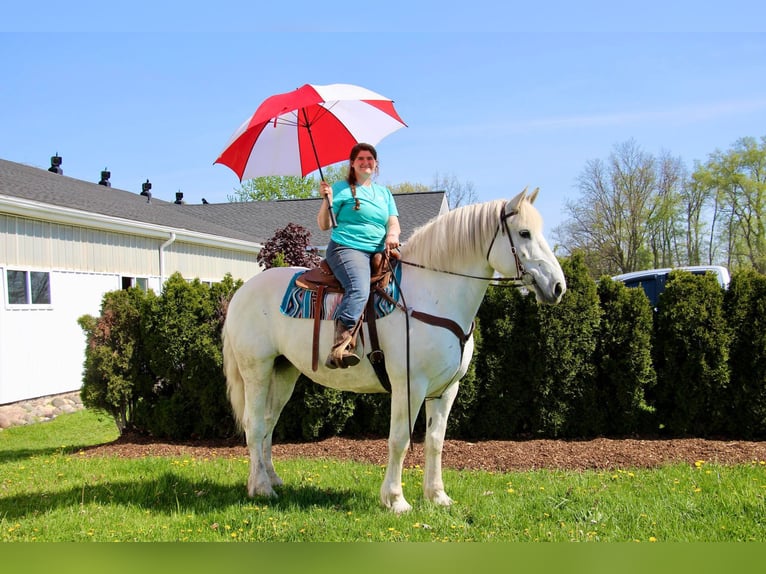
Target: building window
<point x="139" y="282"/>
<point x="28" y="287"/>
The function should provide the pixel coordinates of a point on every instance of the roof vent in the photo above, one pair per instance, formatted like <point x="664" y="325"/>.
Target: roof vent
<point x="146" y="191"/>
<point x="179" y="198"/>
<point x="56" y="165"/>
<point x="105" y="175"/>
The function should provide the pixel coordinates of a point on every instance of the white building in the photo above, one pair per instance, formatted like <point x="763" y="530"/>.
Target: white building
<point x="65" y="242"/>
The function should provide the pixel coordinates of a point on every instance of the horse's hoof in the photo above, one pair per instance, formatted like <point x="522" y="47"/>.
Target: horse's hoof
<point x="400" y="507"/>
<point x="396" y="504"/>
<point x="440" y="498"/>
<point x="270" y="494"/>
<point x="265" y="491"/>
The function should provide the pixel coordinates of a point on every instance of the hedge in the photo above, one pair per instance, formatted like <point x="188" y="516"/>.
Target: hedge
<point x="601" y="363"/>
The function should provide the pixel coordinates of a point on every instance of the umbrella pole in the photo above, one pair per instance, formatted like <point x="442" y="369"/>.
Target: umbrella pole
<point x="321" y="175"/>
<point x="329" y="205"/>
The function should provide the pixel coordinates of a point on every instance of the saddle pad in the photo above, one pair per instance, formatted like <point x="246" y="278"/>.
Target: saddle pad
<point x="299" y="303"/>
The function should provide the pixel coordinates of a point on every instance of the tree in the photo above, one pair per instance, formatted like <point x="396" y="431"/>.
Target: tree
<point x="407" y="187"/>
<point x="665" y="223"/>
<point x="273" y="187"/>
<point x="738" y="180"/>
<point x="696" y="197"/>
<point x="289" y="246"/>
<point x="457" y="193"/>
<point x="628" y="212"/>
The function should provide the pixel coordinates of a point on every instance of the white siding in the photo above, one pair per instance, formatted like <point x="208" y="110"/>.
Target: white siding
<point x="44" y="245"/>
<point x="43" y="349"/>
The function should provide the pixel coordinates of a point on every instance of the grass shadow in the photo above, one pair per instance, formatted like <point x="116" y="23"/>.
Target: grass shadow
<point x="13" y="455"/>
<point x="170" y="493"/>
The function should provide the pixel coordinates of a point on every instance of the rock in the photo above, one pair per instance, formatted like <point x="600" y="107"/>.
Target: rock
<point x="39" y="409"/>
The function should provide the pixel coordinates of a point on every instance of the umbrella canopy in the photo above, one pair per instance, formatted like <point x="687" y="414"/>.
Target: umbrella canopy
<point x="301" y="131"/>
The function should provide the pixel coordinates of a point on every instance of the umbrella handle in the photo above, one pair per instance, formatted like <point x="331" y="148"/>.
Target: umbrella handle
<point x="333" y="221"/>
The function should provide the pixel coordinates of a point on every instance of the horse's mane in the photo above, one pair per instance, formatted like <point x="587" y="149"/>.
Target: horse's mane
<point x="454" y="236"/>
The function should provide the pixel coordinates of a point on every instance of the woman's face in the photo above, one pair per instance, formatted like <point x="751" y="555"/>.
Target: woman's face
<point x="364" y="165"/>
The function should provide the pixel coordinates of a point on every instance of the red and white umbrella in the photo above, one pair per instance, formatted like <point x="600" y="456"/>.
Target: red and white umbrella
<point x="313" y="126"/>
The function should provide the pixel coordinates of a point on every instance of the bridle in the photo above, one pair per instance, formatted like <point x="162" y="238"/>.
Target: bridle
<point x="523" y="277"/>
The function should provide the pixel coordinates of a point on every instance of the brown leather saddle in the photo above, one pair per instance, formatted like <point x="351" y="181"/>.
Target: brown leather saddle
<point x="322" y="277"/>
<point x="322" y="281"/>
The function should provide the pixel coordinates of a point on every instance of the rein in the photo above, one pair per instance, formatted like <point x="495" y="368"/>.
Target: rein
<point x="522" y="277"/>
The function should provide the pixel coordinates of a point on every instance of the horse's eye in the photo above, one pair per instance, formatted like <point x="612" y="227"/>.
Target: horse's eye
<point x="524" y="234"/>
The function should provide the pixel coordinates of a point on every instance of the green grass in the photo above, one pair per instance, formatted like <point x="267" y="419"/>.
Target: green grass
<point x="50" y="491"/>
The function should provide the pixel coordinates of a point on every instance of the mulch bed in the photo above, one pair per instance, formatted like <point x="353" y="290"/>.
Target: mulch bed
<point x="599" y="453"/>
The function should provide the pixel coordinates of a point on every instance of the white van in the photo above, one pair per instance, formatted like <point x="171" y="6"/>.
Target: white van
<point x="653" y="280"/>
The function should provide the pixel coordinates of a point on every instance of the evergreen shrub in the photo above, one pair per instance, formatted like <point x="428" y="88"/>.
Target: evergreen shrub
<point x="745" y="305"/>
<point x="691" y="352"/>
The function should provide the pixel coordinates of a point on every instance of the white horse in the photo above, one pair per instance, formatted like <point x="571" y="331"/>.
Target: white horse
<point x="447" y="266"/>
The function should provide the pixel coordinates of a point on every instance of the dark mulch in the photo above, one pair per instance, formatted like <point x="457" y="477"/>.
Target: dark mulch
<point x="599" y="453"/>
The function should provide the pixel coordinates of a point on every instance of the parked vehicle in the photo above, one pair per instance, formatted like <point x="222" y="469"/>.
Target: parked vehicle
<point x="653" y="280"/>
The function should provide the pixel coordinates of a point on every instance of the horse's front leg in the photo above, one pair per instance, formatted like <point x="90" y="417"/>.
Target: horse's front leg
<point x="437" y="411"/>
<point x="391" y="493"/>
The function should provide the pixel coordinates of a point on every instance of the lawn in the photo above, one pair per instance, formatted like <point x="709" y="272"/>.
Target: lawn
<point x="51" y="492"/>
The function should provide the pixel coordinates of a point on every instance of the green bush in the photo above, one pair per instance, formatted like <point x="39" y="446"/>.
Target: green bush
<point x="691" y="349"/>
<point x="504" y="365"/>
<point x="566" y="402"/>
<point x="745" y="305"/>
<point x="116" y="374"/>
<point x="314" y="412"/>
<point x="625" y="373"/>
<point x="535" y="375"/>
<point x="182" y="332"/>
<point x="600" y="362"/>
<point x="155" y="362"/>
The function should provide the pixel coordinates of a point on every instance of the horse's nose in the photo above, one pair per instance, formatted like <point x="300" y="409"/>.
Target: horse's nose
<point x="558" y="290"/>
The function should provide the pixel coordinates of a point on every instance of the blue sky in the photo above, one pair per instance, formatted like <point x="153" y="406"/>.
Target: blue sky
<point x="502" y="97"/>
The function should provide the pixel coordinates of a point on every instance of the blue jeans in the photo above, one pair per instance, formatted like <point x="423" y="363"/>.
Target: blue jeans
<point x="352" y="268"/>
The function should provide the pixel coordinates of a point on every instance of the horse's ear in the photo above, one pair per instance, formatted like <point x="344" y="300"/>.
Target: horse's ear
<point x="516" y="201"/>
<point x="533" y="195"/>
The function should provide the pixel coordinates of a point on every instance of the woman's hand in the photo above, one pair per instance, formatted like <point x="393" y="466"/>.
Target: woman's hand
<point x="391" y="241"/>
<point x="325" y="190"/>
<point x="323" y="216"/>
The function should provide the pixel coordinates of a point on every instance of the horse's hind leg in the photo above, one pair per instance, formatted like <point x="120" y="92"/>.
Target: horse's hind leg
<point x="266" y="392"/>
<point x="285" y="375"/>
<point x="437" y="411"/>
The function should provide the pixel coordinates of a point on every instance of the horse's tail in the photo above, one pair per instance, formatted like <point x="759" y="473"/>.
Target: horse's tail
<point x="235" y="384"/>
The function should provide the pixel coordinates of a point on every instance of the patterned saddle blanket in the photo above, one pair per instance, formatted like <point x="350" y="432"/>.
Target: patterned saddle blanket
<point x="300" y="303"/>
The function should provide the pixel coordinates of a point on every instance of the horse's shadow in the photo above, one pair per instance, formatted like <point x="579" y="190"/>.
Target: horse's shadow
<point x="171" y="493"/>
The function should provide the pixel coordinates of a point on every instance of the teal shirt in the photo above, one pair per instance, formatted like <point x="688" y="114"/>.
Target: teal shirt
<point x="364" y="229"/>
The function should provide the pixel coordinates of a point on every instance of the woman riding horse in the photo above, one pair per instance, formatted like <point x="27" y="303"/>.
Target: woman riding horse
<point x="368" y="223"/>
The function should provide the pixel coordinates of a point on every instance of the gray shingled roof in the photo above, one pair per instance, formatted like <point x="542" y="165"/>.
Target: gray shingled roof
<point x="249" y="221"/>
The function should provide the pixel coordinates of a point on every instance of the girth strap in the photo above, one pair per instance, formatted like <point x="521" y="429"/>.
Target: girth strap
<point x="376" y="357"/>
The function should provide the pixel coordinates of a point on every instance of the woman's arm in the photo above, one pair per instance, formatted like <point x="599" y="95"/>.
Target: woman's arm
<point x="323" y="216"/>
<point x="392" y="233"/>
